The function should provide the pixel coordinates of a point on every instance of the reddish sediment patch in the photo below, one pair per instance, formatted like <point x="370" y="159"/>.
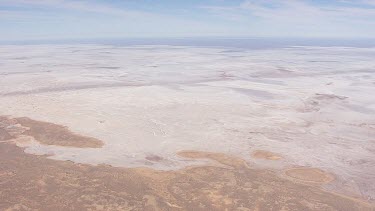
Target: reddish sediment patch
<point x="310" y="175"/>
<point x="4" y="135"/>
<point x="218" y="157"/>
<point x="266" y="155"/>
<point x="53" y="134"/>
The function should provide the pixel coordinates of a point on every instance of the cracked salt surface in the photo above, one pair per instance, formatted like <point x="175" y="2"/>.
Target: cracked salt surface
<point x="153" y="101"/>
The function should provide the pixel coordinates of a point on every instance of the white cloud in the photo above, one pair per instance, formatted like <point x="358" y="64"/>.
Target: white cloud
<point x="349" y="17"/>
<point x="247" y="18"/>
<point x="297" y="11"/>
<point x="78" y="5"/>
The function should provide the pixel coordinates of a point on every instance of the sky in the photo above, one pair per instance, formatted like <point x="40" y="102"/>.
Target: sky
<point x="93" y="19"/>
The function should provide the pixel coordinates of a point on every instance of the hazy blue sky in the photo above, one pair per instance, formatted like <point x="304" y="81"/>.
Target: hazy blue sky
<point x="64" y="19"/>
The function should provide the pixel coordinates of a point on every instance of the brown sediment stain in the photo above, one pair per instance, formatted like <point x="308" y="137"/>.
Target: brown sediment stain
<point x="4" y="135"/>
<point x="218" y="157"/>
<point x="310" y="175"/>
<point x="34" y="182"/>
<point x="154" y="158"/>
<point x="315" y="102"/>
<point x="53" y="134"/>
<point x="263" y="154"/>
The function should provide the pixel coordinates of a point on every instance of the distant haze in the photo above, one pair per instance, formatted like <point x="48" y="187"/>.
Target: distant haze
<point x="238" y="43"/>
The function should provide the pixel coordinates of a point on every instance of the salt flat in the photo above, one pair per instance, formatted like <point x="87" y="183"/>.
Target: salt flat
<point x="315" y="106"/>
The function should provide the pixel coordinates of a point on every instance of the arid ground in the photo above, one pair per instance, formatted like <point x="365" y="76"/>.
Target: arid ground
<point x="99" y="127"/>
<point x="32" y="182"/>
